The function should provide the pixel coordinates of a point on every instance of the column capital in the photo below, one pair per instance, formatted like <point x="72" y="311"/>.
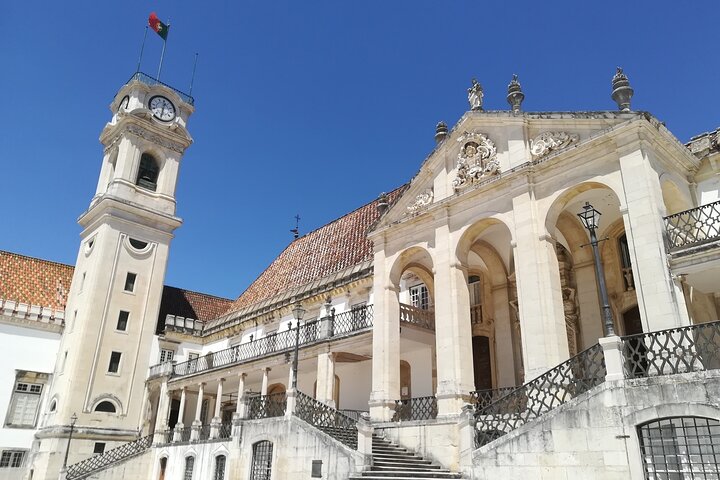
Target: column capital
<point x="266" y="369"/>
<point x="221" y="379"/>
<point x="242" y="375"/>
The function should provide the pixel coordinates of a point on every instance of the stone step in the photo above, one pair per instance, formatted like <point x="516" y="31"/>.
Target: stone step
<point x="404" y="460"/>
<point x="408" y="475"/>
<point x="423" y="464"/>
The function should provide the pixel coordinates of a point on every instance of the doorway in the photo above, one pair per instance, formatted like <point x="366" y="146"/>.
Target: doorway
<point x="482" y="363"/>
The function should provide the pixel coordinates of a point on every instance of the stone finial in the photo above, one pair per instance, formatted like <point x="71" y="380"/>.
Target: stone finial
<point x="475" y="95"/>
<point x="515" y="95"/>
<point x="382" y="203"/>
<point x="622" y="92"/>
<point x="441" y="131"/>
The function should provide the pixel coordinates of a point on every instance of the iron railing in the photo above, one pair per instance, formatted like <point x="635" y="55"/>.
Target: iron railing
<point x="354" y="414"/>
<point x="695" y="226"/>
<point x="148" y="80"/>
<point x="266" y="406"/>
<point x="167" y="437"/>
<point x="419" y="408"/>
<point x="357" y="318"/>
<point x="675" y="350"/>
<point x="351" y="321"/>
<point x="421" y="317"/>
<point x="541" y="395"/>
<point x="185" y="434"/>
<point x="204" y="433"/>
<point x="482" y="398"/>
<point x="225" y="431"/>
<point x="98" y="462"/>
<point x="324" y="417"/>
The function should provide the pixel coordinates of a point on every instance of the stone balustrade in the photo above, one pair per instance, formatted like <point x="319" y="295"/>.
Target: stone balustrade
<point x="35" y="313"/>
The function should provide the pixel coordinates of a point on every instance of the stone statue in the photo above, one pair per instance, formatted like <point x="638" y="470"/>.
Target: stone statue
<point x="475" y="95"/>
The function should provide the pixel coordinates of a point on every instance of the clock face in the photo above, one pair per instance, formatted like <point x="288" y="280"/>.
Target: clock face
<point x="162" y="108"/>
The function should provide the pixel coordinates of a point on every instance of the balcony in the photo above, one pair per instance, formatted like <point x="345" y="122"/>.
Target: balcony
<point x="354" y="321"/>
<point x="148" y="80"/>
<point x="424" y="318"/>
<point x="694" y="227"/>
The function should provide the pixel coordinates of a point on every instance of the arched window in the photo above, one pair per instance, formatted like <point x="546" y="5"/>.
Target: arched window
<point x="220" y="468"/>
<point x="148" y="172"/>
<point x="53" y="406"/>
<point x="680" y="448"/>
<point x="189" y="466"/>
<point x="105" y="406"/>
<point x="261" y="461"/>
<point x="625" y="263"/>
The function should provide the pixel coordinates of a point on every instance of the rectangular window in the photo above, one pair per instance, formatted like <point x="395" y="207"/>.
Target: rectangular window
<point x="166" y="355"/>
<point x="24" y="405"/>
<point x="123" y="320"/>
<point x="419" y="297"/>
<point x="130" y="282"/>
<point x="82" y="282"/>
<point x="99" y="447"/>
<point x="114" y="366"/>
<point x="12" y="458"/>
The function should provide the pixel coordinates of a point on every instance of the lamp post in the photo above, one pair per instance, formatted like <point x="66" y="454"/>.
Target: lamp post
<point x="73" y="419"/>
<point x="590" y="219"/>
<point x="298" y="313"/>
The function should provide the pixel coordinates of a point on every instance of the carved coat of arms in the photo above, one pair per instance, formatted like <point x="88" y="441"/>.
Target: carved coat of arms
<point x="477" y="159"/>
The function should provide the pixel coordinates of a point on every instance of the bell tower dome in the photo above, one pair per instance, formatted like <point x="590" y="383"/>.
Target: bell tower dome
<point x="114" y="299"/>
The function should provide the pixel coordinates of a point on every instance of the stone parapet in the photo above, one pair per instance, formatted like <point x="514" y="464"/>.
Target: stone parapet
<point x="33" y="313"/>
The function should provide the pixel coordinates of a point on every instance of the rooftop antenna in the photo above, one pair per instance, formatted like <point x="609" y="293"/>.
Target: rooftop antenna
<point x="296" y="231"/>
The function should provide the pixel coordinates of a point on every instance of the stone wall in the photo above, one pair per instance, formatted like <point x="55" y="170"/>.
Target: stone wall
<point x="138" y="467"/>
<point x="436" y="440"/>
<point x="595" y="435"/>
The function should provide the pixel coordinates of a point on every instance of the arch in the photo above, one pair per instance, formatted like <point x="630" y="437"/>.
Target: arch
<point x="262" y="459"/>
<point x="220" y="463"/>
<point x="189" y="467"/>
<point x="163" y="467"/>
<point x="483" y="228"/>
<point x="276" y="388"/>
<point x="107" y="403"/>
<point x="597" y="193"/>
<point x="148" y="172"/>
<point x="417" y="258"/>
<point x="53" y="405"/>
<point x="674" y="199"/>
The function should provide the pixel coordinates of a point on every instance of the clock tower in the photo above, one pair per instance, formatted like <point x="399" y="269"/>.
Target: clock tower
<point x="114" y="301"/>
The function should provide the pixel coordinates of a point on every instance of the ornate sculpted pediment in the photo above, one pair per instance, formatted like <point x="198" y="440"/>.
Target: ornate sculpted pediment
<point x="422" y="200"/>
<point x="477" y="159"/>
<point x="550" y="141"/>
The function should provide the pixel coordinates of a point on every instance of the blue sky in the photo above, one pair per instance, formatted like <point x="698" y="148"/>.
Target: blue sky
<point x="310" y="107"/>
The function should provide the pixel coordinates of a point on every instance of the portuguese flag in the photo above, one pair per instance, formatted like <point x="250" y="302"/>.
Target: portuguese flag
<point x="159" y="27"/>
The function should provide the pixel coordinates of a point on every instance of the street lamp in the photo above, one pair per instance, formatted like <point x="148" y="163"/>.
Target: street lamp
<point x="73" y="419"/>
<point x="590" y="219"/>
<point x="298" y="313"/>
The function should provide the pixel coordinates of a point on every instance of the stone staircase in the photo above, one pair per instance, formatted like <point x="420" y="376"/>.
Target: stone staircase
<point x="392" y="462"/>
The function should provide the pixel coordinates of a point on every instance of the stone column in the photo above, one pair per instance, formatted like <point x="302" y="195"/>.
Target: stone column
<point x="161" y="425"/>
<point x="144" y="417"/>
<point x="386" y="341"/>
<point x="365" y="432"/>
<point x="264" y="387"/>
<point x="503" y="362"/>
<point x="614" y="361"/>
<point x="660" y="302"/>
<point x="540" y="302"/>
<point x="217" y="419"/>
<point x="325" y="391"/>
<point x="177" y="435"/>
<point x="241" y="407"/>
<point x="197" y="423"/>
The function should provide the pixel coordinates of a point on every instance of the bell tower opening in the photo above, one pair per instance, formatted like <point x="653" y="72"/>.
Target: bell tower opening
<point x="148" y="172"/>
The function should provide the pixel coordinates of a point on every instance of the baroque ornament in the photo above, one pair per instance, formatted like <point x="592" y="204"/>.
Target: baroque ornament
<point x="156" y="139"/>
<point x="421" y="201"/>
<point x="477" y="159"/>
<point x="549" y="141"/>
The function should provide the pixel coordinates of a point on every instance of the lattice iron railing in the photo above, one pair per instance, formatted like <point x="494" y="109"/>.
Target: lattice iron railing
<point x="695" y="226"/>
<point x="675" y="350"/>
<point x="167" y="436"/>
<point x="482" y="398"/>
<point x="418" y="408"/>
<point x="354" y="414"/>
<point x="225" y="431"/>
<point x="266" y="406"/>
<point x="541" y="395"/>
<point x="93" y="464"/>
<point x="324" y="417"/>
<point x="185" y="434"/>
<point x="204" y="433"/>
<point x="148" y="80"/>
<point x="421" y="317"/>
<point x="358" y="318"/>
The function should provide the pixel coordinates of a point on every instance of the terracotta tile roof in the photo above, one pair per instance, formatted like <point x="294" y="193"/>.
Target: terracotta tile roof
<point x="34" y="281"/>
<point x="336" y="246"/>
<point x="189" y="304"/>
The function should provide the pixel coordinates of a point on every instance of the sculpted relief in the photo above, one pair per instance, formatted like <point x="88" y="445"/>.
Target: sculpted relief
<point x="422" y="200"/>
<point x="547" y="142"/>
<point x="477" y="160"/>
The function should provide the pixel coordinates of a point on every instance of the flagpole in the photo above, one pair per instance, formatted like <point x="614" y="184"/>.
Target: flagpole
<point x="162" y="55"/>
<point x="142" y="48"/>
<point x="192" y="79"/>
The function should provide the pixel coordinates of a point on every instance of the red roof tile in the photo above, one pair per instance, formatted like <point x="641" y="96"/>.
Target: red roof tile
<point x="338" y="245"/>
<point x="34" y="281"/>
<point x="189" y="304"/>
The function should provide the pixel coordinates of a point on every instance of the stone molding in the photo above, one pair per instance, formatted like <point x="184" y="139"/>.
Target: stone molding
<point x="548" y="142"/>
<point x="422" y="200"/>
<point x="36" y="313"/>
<point x="155" y="138"/>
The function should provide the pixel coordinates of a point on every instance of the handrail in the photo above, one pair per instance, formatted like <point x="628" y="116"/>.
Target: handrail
<point x="418" y="408"/>
<point x="98" y="462"/>
<point x="421" y="317"/>
<point x="266" y="406"/>
<point x="555" y="387"/>
<point x="483" y="398"/>
<point x="148" y="80"/>
<point x="694" y="226"/>
<point x="326" y="418"/>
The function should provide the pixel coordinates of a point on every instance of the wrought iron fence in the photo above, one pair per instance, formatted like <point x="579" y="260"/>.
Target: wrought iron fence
<point x="483" y="398"/>
<point x="225" y="431"/>
<point x="357" y="318"/>
<point x="417" y="316"/>
<point x="324" y="417"/>
<point x="354" y="414"/>
<point x="204" y="433"/>
<point x="167" y="436"/>
<point x="266" y="406"/>
<point x="541" y="395"/>
<point x="694" y="226"/>
<point x="148" y="80"/>
<point x="184" y="434"/>
<point x="675" y="350"/>
<point x="93" y="464"/>
<point x="419" y="408"/>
